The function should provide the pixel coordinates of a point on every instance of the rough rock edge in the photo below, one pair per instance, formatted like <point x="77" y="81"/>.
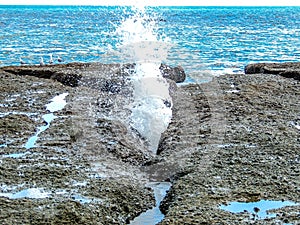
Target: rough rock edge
<point x="70" y="74"/>
<point x="288" y="70"/>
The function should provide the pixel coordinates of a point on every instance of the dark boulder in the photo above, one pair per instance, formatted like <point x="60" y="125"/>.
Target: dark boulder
<point x="173" y="73"/>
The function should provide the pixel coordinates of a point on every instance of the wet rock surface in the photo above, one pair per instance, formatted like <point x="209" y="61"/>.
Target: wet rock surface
<point x="289" y="69"/>
<point x="85" y="163"/>
<point x="235" y="138"/>
<point x="257" y="158"/>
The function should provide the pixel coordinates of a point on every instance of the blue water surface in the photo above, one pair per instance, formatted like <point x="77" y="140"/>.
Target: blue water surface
<point x="263" y="206"/>
<point x="218" y="39"/>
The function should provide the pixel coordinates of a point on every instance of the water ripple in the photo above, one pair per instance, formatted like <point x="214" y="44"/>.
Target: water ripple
<point x="235" y="36"/>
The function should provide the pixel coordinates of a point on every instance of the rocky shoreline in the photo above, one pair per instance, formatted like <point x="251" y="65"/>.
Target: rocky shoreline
<point x="235" y="138"/>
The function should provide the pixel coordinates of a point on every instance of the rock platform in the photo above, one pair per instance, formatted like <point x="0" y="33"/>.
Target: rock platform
<point x="236" y="138"/>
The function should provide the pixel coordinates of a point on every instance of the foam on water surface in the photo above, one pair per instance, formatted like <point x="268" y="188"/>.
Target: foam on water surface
<point x="151" y="113"/>
<point x="151" y="110"/>
<point x="141" y="44"/>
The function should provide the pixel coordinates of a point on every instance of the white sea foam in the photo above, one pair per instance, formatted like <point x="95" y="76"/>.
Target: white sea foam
<point x="151" y="112"/>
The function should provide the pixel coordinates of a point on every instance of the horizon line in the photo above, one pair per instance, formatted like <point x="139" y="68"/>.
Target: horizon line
<point x="128" y="5"/>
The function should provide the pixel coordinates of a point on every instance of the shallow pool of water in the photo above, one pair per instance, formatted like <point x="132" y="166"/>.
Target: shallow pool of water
<point x="27" y="193"/>
<point x="154" y="215"/>
<point x="57" y="103"/>
<point x="32" y="140"/>
<point x="15" y="155"/>
<point x="259" y="208"/>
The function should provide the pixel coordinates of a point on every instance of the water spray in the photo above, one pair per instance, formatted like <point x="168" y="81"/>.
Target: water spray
<point x="152" y="104"/>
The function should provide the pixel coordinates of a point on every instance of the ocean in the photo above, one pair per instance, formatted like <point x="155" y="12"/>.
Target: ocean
<point x="205" y="41"/>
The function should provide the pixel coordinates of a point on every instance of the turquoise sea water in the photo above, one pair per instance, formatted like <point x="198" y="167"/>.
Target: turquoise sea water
<point x="211" y="39"/>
